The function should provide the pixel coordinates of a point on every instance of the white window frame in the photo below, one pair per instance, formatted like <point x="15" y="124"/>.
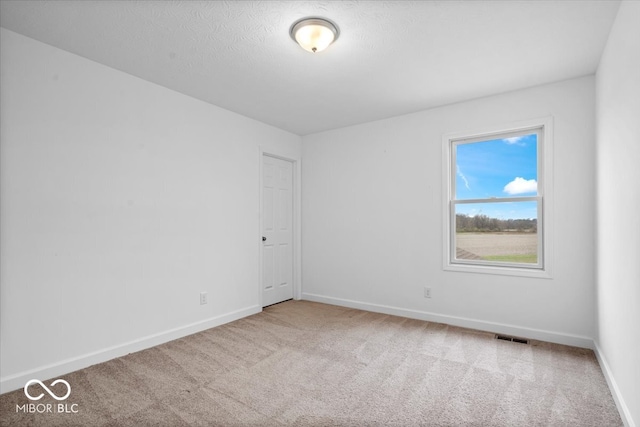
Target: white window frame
<point x="544" y="198"/>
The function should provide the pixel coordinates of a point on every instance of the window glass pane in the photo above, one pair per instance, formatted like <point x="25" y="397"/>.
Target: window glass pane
<point x="505" y="232"/>
<point x="506" y="167"/>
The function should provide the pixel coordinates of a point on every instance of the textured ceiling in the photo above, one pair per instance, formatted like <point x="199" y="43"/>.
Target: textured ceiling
<point x="392" y="57"/>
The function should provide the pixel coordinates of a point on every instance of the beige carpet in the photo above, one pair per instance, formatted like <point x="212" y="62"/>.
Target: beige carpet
<point x="306" y="364"/>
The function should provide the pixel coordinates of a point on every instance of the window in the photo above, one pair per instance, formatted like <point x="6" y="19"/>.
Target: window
<point x="497" y="188"/>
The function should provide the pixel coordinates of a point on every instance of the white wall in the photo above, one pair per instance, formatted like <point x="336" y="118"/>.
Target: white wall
<point x="120" y="202"/>
<point x="618" y="204"/>
<point x="372" y="210"/>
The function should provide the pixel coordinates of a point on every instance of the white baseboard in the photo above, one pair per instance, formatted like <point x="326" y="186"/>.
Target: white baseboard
<point x="623" y="409"/>
<point x="523" y="332"/>
<point x="16" y="381"/>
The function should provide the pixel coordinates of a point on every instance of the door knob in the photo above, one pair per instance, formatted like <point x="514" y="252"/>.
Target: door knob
<point x="264" y="239"/>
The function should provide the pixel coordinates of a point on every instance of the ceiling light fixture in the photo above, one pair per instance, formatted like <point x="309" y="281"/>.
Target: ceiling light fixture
<point x="314" y="34"/>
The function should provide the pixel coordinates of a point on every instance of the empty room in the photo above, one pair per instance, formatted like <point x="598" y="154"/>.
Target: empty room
<point x="320" y="213"/>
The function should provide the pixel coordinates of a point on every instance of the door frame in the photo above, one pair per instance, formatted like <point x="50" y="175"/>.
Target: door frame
<point x="296" y="217"/>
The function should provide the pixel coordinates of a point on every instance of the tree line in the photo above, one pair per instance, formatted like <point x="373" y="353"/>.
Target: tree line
<point x="483" y="223"/>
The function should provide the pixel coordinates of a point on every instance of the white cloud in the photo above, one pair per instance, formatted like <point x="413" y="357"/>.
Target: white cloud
<point x="521" y="186"/>
<point x="514" y="140"/>
<point x="464" y="178"/>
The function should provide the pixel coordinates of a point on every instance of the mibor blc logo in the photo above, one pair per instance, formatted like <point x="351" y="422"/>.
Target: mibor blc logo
<point x="40" y="408"/>
<point x="52" y="394"/>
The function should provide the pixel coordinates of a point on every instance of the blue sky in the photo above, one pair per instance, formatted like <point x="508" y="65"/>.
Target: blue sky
<point x="498" y="168"/>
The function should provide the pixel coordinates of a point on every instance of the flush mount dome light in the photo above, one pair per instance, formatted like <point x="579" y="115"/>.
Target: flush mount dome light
<point x="314" y="34"/>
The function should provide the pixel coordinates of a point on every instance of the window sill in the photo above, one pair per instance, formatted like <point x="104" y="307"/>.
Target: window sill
<point x="498" y="270"/>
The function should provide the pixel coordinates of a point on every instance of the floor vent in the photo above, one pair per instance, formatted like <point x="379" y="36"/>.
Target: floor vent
<point x="511" y="339"/>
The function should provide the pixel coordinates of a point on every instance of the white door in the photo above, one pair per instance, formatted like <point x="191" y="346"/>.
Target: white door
<point x="277" y="230"/>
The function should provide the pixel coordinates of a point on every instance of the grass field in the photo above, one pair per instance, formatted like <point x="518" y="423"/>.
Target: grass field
<point x="505" y="246"/>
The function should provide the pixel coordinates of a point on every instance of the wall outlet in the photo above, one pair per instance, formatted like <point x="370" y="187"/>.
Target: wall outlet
<point x="427" y="292"/>
<point x="203" y="298"/>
